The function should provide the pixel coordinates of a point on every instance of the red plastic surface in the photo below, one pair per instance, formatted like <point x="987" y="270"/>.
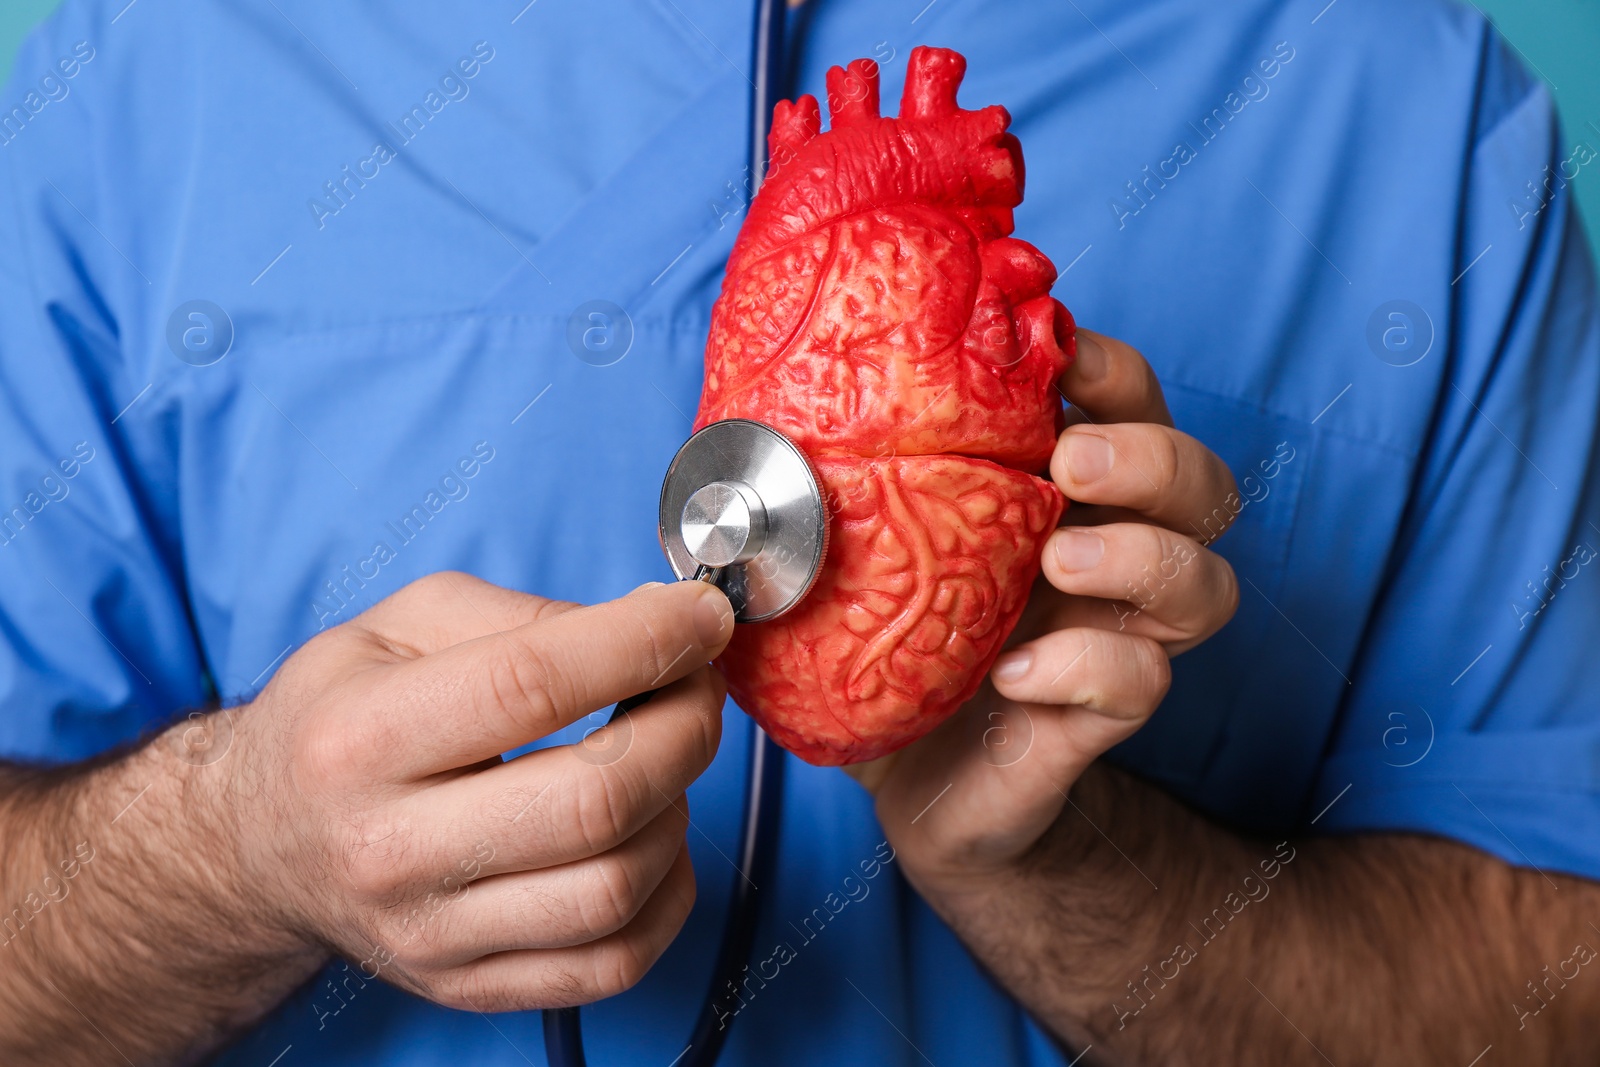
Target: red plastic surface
<point x="878" y="312"/>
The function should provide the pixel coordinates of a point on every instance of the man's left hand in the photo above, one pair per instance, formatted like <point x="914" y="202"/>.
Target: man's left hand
<point x="1125" y="585"/>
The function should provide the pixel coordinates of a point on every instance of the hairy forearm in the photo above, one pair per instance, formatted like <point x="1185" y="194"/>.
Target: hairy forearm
<point x="1142" y="929"/>
<point x="126" y="932"/>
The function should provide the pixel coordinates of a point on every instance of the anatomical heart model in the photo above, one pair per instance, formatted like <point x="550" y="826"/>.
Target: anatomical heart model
<point x="877" y="312"/>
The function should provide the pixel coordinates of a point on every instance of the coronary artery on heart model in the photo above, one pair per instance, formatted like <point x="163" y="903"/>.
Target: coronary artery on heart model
<point x="877" y="312"/>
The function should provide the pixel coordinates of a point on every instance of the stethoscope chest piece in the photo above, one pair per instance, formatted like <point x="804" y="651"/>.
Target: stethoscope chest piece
<point x="742" y="500"/>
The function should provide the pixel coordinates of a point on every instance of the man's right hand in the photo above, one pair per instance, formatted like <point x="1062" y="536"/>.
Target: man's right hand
<point x="371" y="813"/>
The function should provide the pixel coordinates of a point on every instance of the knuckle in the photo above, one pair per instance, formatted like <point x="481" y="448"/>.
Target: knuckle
<point x="368" y="879"/>
<point x="456" y="997"/>
<point x="419" y="981"/>
<point x="1147" y="559"/>
<point x="685" y="891"/>
<point x="613" y="901"/>
<point x="1154" y="671"/>
<point x="621" y="965"/>
<point x="708" y="735"/>
<point x="424" y="947"/>
<point x="1167" y="459"/>
<point x="438" y="585"/>
<point x="602" y="811"/>
<point x="1094" y="670"/>
<point x="1149" y="381"/>
<point x="1135" y="361"/>
<point x="1228" y="485"/>
<point x="1221" y="501"/>
<point x="475" y="991"/>
<point x="523" y="689"/>
<point x="1177" y="559"/>
<point x="654" y="646"/>
<point x="416" y="927"/>
<point x="1228" y="594"/>
<point x="1123" y="355"/>
<point x="502" y="987"/>
<point x="427" y="587"/>
<point x="332" y="645"/>
<point x="1166" y="550"/>
<point x="1124" y="676"/>
<point x="672" y="824"/>
<point x="378" y="858"/>
<point x="683" y="739"/>
<point x="327" y="752"/>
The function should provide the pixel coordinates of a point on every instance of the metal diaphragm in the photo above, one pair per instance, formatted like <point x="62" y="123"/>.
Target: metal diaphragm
<point x="741" y="498"/>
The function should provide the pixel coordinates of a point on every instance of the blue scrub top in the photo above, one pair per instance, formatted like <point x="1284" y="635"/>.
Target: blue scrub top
<point x="1341" y="234"/>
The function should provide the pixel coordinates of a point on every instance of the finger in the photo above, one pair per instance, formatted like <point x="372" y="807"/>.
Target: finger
<point x="446" y="608"/>
<point x="1182" y="592"/>
<point x="558" y="907"/>
<point x="1114" y="615"/>
<point x="564" y="804"/>
<point x="968" y="801"/>
<point x="527" y="979"/>
<point x="498" y="692"/>
<point x="1120" y="677"/>
<point x="1152" y="471"/>
<point x="1109" y="381"/>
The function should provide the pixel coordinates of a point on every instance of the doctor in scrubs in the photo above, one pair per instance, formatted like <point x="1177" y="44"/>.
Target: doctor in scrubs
<point x="311" y="441"/>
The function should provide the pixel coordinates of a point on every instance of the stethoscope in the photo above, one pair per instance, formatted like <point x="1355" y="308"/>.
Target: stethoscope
<point x="741" y="508"/>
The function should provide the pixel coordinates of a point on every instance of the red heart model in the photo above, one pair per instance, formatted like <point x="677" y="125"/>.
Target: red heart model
<point x="877" y="312"/>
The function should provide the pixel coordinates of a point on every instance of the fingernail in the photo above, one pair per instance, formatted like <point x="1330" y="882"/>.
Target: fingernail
<point x="1078" y="550"/>
<point x="1089" y="365"/>
<point x="1088" y="457"/>
<point x="647" y="585"/>
<point x="712" y="618"/>
<point x="1013" y="665"/>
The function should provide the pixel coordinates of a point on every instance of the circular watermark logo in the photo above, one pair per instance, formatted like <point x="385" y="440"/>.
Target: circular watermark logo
<point x="1400" y="333"/>
<point x="1007" y="735"/>
<point x="1408" y="738"/>
<point x="599" y="333"/>
<point x="199" y="333"/>
<point x="206" y="739"/>
<point x="604" y="743"/>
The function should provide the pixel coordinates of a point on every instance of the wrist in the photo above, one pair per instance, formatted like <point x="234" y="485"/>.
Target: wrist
<point x="158" y="925"/>
<point x="1066" y="923"/>
<point x="1067" y="855"/>
<point x="210" y="796"/>
<point x="971" y="875"/>
<point x="175" y="839"/>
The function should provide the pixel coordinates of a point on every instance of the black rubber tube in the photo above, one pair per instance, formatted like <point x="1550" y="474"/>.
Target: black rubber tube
<point x="758" y="853"/>
<point x="763" y="799"/>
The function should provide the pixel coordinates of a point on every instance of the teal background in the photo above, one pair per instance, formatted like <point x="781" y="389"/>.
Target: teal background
<point x="17" y="17"/>
<point x="1558" y="39"/>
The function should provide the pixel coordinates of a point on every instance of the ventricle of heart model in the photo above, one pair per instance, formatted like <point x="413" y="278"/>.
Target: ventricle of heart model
<point x="877" y="311"/>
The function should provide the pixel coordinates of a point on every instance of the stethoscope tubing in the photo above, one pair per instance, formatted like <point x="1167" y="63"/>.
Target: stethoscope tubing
<point x="758" y="853"/>
<point x="763" y="800"/>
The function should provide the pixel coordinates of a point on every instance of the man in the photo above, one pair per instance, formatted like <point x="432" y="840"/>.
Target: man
<point x="285" y="340"/>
